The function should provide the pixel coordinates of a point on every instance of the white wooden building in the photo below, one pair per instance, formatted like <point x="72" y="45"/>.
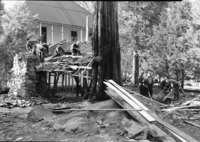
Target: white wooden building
<point x="61" y="20"/>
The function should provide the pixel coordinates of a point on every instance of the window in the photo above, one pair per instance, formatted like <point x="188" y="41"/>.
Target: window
<point x="74" y="35"/>
<point x="44" y="34"/>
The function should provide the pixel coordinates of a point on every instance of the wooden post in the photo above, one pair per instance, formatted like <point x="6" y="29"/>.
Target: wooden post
<point x="87" y="29"/>
<point x="52" y="34"/>
<point x="81" y="35"/>
<point x="78" y="87"/>
<point x="46" y="84"/>
<point x="73" y="88"/>
<point x="40" y="32"/>
<point x="62" y="32"/>
<point x="63" y="82"/>
<point x="54" y="85"/>
<point x="49" y="88"/>
<point x="68" y="83"/>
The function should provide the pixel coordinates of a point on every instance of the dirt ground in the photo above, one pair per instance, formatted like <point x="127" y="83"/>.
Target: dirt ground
<point x="14" y="125"/>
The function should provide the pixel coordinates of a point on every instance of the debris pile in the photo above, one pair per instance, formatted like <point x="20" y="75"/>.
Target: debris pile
<point x="154" y="121"/>
<point x="179" y="114"/>
<point x="23" y="79"/>
<point x="8" y="102"/>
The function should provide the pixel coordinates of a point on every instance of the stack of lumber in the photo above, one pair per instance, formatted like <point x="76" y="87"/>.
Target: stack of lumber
<point x="164" y="130"/>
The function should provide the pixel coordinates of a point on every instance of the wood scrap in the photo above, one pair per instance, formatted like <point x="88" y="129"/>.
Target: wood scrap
<point x="175" y="130"/>
<point x="177" y="108"/>
<point x="180" y="138"/>
<point x="192" y="124"/>
<point x="188" y="102"/>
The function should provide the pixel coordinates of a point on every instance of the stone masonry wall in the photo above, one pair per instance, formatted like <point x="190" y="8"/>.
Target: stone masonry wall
<point x="24" y="78"/>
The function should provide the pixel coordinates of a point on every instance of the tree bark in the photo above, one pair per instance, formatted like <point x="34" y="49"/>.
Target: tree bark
<point x="106" y="47"/>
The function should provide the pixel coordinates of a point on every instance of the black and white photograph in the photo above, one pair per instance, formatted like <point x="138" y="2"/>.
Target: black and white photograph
<point x="100" y="71"/>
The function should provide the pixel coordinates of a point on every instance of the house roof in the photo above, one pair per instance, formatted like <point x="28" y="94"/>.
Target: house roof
<point x="61" y="12"/>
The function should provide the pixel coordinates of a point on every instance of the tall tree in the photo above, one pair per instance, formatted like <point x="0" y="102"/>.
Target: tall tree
<point x="136" y="20"/>
<point x="174" y="43"/>
<point x="1" y="13"/>
<point x="106" y="47"/>
<point x="17" y="24"/>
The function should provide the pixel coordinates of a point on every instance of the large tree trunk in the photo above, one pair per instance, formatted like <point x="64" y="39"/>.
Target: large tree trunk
<point x="106" y="47"/>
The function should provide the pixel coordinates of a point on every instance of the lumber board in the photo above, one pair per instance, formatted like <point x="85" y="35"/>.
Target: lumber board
<point x="183" y="140"/>
<point x="125" y="105"/>
<point x="132" y="103"/>
<point x="161" y="134"/>
<point x="176" y="130"/>
<point x="138" y="116"/>
<point x="177" y="108"/>
<point x="192" y="124"/>
<point x="128" y="95"/>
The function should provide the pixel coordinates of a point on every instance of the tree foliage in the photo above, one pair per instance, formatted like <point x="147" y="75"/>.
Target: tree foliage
<point x="88" y="5"/>
<point x="18" y="23"/>
<point x="174" y="43"/>
<point x="165" y="34"/>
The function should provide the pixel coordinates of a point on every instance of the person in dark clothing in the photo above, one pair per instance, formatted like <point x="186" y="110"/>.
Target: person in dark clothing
<point x="75" y="48"/>
<point x="145" y="88"/>
<point x="46" y="48"/>
<point x="168" y="84"/>
<point x="175" y="85"/>
<point x="150" y="84"/>
<point x="30" y="45"/>
<point x="59" y="51"/>
<point x="141" y="82"/>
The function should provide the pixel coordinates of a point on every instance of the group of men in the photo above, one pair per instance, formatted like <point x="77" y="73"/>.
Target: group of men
<point x="42" y="50"/>
<point x="74" y="50"/>
<point x="167" y="85"/>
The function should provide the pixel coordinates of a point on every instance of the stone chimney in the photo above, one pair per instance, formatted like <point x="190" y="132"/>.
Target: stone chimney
<point x="24" y="80"/>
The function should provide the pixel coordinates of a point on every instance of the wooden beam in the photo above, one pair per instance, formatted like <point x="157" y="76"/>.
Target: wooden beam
<point x="62" y="30"/>
<point x="81" y="35"/>
<point x="63" y="82"/>
<point x="132" y="103"/>
<point x="125" y="105"/>
<point x="161" y="134"/>
<point x="85" y="109"/>
<point x="40" y="32"/>
<point x="87" y="29"/>
<point x="49" y="85"/>
<point x="129" y="96"/>
<point x="192" y="124"/>
<point x="69" y="85"/>
<point x="54" y="86"/>
<point x="52" y="34"/>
